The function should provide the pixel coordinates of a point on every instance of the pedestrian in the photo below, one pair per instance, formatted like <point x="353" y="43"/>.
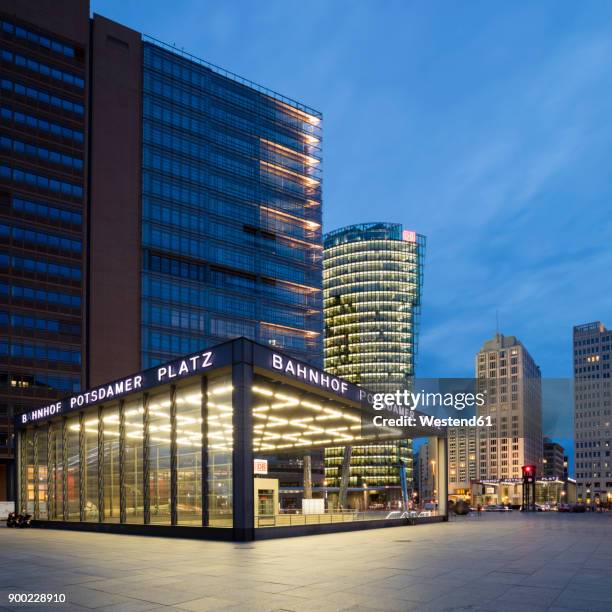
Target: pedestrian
<point x="478" y="510"/>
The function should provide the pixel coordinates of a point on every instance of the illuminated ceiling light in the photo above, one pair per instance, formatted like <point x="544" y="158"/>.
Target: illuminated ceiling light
<point x="262" y="391"/>
<point x="311" y="405"/>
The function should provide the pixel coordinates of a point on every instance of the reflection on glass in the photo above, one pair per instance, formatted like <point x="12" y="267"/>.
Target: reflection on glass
<point x="159" y="457"/>
<point x="220" y="450"/>
<point x="90" y="471"/>
<point x="29" y="471"/>
<point x="42" y="472"/>
<point x="133" y="461"/>
<point x="72" y="483"/>
<point x="189" y="454"/>
<point x="57" y="507"/>
<point x="111" y="463"/>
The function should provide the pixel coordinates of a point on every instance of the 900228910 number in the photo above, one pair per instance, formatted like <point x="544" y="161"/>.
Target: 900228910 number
<point x="43" y="598"/>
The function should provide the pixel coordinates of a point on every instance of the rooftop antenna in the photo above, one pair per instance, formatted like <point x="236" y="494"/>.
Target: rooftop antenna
<point x="497" y="323"/>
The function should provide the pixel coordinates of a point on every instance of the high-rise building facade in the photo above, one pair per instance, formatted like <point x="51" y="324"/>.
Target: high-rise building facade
<point x="372" y="279"/>
<point x="462" y="460"/>
<point x="152" y="205"/>
<point x="227" y="191"/>
<point x="43" y="196"/>
<point x="592" y="344"/>
<point x="554" y="460"/>
<point x="512" y="381"/>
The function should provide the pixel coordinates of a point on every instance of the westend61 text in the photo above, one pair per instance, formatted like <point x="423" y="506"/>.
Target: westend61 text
<point x="425" y="420"/>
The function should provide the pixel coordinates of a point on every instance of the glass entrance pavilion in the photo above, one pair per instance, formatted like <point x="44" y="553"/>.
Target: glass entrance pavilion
<point x="181" y="448"/>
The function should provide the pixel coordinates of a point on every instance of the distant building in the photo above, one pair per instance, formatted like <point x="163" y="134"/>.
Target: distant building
<point x="462" y="460"/>
<point x="553" y="459"/>
<point x="592" y="345"/>
<point x="512" y="380"/>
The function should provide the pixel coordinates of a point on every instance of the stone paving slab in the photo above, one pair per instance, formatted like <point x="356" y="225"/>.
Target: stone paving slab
<point x="545" y="562"/>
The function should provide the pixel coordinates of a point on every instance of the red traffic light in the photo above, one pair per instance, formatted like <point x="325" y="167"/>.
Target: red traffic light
<point x="529" y="469"/>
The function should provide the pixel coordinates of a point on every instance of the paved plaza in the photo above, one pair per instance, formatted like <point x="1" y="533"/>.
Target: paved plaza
<point x="498" y="562"/>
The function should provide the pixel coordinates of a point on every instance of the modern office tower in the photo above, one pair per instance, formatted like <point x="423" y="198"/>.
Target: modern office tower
<point x="553" y="459"/>
<point x="372" y="280"/>
<point x="43" y="188"/>
<point x="462" y="460"/>
<point x="593" y="412"/>
<point x="512" y="380"/>
<point x="216" y="198"/>
<point x="152" y="205"/>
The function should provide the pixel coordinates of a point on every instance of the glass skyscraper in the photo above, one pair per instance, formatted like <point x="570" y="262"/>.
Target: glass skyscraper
<point x="231" y="212"/>
<point x="372" y="280"/>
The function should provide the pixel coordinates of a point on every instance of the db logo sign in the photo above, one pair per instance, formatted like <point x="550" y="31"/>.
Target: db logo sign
<point x="260" y="466"/>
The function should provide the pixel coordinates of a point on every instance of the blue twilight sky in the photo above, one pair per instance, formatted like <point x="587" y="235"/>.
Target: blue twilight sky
<point x="485" y="126"/>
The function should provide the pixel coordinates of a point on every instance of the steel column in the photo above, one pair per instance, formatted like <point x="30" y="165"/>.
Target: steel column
<point x="122" y="500"/>
<point x="204" y="459"/>
<point x="100" y="464"/>
<point x="146" y="493"/>
<point x="173" y="459"/>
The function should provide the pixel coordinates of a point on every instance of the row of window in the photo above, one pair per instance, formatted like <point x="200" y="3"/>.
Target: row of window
<point x="48" y="155"/>
<point x="199" y="125"/>
<point x="181" y="293"/>
<point x="40" y="351"/>
<point x="51" y="241"/>
<point x="202" y="79"/>
<point x="41" y="324"/>
<point x="40" y="267"/>
<point x="42" y="182"/>
<point x="202" y="273"/>
<point x="36" y="66"/>
<point x="45" y="211"/>
<point x="40" y="295"/>
<point x="48" y="43"/>
<point x="69" y="384"/>
<point x="41" y="124"/>
<point x="203" y="102"/>
<point x="42" y="96"/>
<point x="196" y="149"/>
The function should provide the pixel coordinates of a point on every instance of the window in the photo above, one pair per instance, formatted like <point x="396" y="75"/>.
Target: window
<point x="110" y="424"/>
<point x="220" y="445"/>
<point x="133" y="470"/>
<point x="189" y="454"/>
<point x="159" y="457"/>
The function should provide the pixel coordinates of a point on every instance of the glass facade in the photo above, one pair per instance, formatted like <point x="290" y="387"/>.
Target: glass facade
<point x="231" y="213"/>
<point x="372" y="280"/>
<point x="42" y="189"/>
<point x="137" y="460"/>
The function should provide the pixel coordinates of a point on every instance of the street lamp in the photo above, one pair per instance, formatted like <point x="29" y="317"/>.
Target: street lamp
<point x="433" y="470"/>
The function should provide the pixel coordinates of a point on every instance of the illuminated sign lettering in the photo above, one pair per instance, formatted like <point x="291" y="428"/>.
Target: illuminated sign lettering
<point x="308" y="374"/>
<point x="186" y="366"/>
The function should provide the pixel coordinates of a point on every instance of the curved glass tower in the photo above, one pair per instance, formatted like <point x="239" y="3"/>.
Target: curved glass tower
<point x="372" y="280"/>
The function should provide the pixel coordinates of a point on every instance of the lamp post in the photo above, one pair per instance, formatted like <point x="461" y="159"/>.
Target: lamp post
<point x="433" y="471"/>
